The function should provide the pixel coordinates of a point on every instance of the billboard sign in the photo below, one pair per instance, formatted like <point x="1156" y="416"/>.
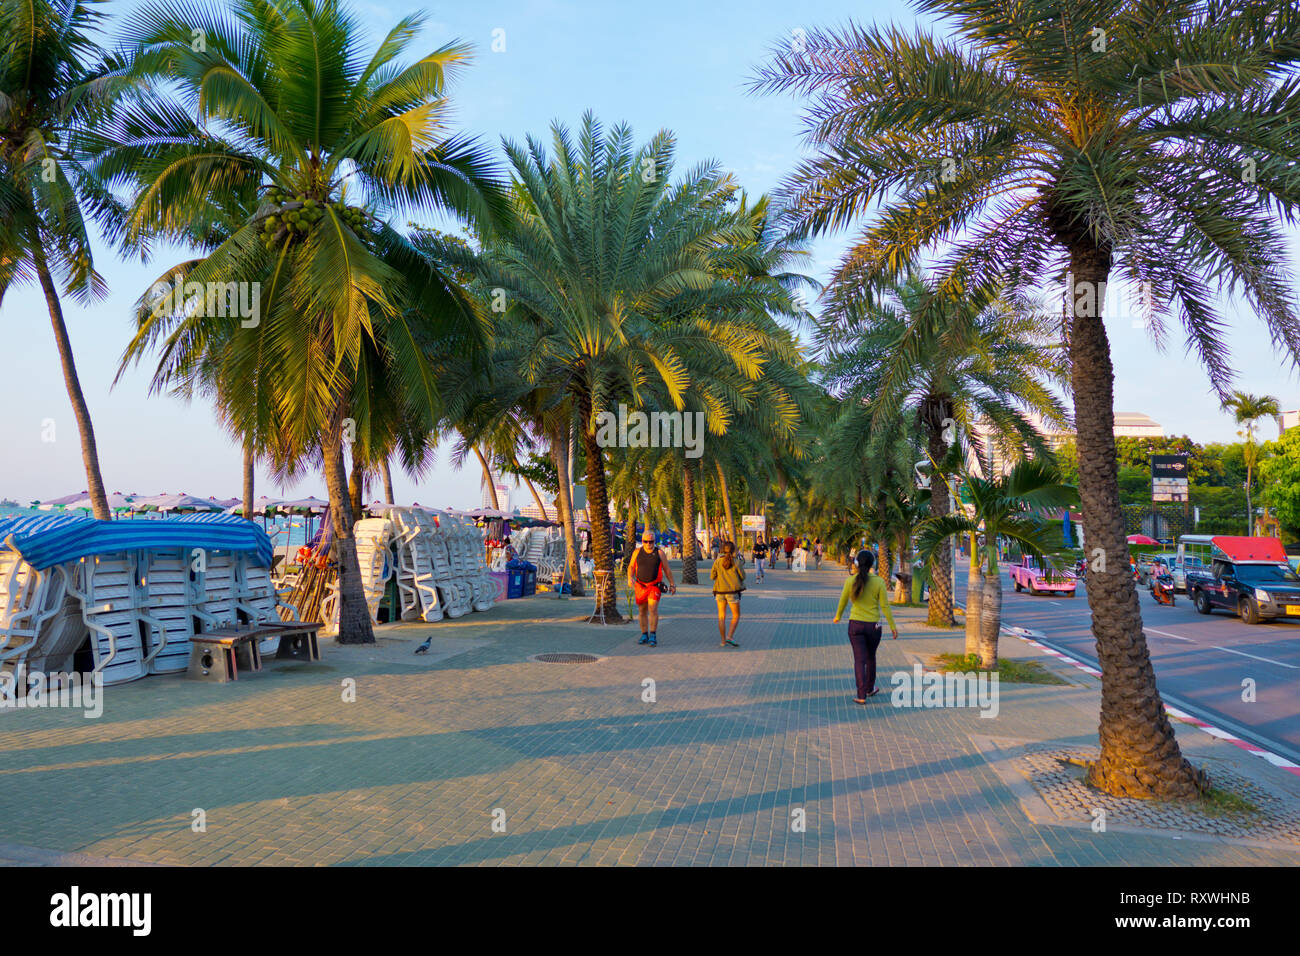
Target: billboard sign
<point x="753" y="523"/>
<point x="1169" y="478"/>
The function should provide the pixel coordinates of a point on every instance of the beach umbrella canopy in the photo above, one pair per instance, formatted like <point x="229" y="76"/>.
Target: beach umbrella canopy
<point x="116" y="502"/>
<point x="61" y="502"/>
<point x="177" y="502"/>
<point x="235" y="506"/>
<point x="302" y="505"/>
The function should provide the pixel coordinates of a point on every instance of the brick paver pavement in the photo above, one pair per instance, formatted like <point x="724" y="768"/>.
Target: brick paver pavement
<point x="579" y="768"/>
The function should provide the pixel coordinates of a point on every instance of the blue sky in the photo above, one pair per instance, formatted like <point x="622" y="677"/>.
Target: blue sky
<point x="676" y="65"/>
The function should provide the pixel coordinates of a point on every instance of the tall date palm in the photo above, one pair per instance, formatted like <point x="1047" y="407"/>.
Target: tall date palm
<point x="1069" y="142"/>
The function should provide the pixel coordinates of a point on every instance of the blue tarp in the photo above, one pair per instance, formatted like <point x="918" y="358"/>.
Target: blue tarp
<point x="47" y="540"/>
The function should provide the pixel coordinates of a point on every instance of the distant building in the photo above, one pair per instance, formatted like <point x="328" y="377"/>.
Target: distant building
<point x="1287" y="420"/>
<point x="503" y="495"/>
<point x="1137" y="425"/>
<point x="531" y="510"/>
<point x="1127" y="424"/>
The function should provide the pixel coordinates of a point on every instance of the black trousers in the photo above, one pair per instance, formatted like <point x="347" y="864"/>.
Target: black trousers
<point x="865" y="638"/>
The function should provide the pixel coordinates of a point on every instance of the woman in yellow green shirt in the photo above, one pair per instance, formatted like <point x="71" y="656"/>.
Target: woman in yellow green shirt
<point x="869" y="599"/>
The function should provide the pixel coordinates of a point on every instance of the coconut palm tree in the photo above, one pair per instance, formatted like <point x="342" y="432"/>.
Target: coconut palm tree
<point x="284" y="100"/>
<point x="55" y="84"/>
<point x="1247" y="410"/>
<point x="1066" y="144"/>
<point x="612" y="263"/>
<point x="952" y="362"/>
<point x="1012" y="507"/>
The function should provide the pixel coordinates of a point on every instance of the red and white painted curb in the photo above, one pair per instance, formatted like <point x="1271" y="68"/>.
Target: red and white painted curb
<point x="1027" y="636"/>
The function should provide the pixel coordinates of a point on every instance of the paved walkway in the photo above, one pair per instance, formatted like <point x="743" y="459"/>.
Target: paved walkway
<point x="579" y="768"/>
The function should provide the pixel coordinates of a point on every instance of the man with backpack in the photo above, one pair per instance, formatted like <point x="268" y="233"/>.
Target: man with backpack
<point x="645" y="574"/>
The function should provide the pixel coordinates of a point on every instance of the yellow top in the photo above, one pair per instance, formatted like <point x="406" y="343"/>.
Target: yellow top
<point x="869" y="604"/>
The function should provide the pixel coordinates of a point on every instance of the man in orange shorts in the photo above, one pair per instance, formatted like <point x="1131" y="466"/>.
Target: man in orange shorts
<point x="645" y="571"/>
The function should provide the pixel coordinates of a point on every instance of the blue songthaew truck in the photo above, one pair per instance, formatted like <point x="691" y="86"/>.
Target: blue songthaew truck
<point x="1248" y="576"/>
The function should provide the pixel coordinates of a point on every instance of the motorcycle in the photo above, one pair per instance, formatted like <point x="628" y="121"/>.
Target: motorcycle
<point x="1162" y="589"/>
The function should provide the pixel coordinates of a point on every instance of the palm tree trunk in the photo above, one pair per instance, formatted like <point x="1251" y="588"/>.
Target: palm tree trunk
<point x="487" y="477"/>
<point x="629" y="535"/>
<point x="80" y="411"/>
<point x="387" y="473"/>
<point x="726" y="501"/>
<point x="974" y="599"/>
<point x="1140" y="756"/>
<point x="537" y="498"/>
<point x="354" y="614"/>
<point x="690" y="567"/>
<point x="990" y="619"/>
<point x="940" y="608"/>
<point x="1250" y="510"/>
<point x="564" y="505"/>
<point x="357" y="486"/>
<point x="249" y="475"/>
<point x="598" y="510"/>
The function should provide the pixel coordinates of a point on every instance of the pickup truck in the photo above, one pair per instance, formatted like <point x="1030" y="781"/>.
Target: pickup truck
<point x="1030" y="574"/>
<point x="1255" y="591"/>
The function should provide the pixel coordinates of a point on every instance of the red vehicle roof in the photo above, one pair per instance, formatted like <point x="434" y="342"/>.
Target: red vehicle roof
<point x="1239" y="548"/>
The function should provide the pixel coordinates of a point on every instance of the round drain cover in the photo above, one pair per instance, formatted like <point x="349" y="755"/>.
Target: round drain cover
<point x="566" y="658"/>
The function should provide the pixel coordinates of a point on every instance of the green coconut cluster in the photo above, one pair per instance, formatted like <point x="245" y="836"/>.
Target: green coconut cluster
<point x="295" y="215"/>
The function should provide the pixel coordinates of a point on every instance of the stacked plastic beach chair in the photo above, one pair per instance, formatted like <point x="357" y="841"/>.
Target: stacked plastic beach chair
<point x="122" y="599"/>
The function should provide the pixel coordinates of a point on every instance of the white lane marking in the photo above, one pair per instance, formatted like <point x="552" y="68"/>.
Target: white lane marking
<point x="1266" y="660"/>
<point x="1176" y="637"/>
<point x="1057" y="603"/>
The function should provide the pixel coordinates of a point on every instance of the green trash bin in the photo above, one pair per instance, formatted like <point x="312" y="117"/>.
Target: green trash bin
<point x="920" y="577"/>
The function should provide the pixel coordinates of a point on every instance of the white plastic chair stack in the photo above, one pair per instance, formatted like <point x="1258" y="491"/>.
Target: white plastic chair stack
<point x="373" y="536"/>
<point x="464" y="547"/>
<point x="417" y="588"/>
<point x="256" y="598"/>
<point x="457" y="595"/>
<point x="217" y="590"/>
<point x="536" y="548"/>
<point x="125" y="638"/>
<point x="169" y="598"/>
<point x="40" y="623"/>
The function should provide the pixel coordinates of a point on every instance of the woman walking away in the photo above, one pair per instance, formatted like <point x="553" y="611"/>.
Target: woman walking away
<point x="728" y="581"/>
<point x="817" y="553"/>
<point x="867" y="593"/>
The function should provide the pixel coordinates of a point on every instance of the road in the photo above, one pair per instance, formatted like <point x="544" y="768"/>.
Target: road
<point x="1201" y="662"/>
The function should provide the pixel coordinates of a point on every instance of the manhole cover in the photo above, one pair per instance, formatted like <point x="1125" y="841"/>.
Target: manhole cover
<point x="566" y="658"/>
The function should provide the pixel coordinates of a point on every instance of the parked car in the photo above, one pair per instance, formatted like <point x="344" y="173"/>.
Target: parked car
<point x="1029" y="574"/>
<point x="1248" y="575"/>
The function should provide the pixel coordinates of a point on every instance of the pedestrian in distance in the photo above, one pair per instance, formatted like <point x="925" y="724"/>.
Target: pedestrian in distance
<point x="647" y="574"/>
<point x="817" y="554"/>
<point x="788" y="546"/>
<point x="866" y="593"/>
<point x="728" y="581"/>
<point x="760" y="555"/>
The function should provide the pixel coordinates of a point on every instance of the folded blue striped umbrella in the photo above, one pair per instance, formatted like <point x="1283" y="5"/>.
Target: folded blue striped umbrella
<point x="47" y="540"/>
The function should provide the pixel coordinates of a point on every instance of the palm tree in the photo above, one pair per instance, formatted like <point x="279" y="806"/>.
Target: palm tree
<point x="1062" y="144"/>
<point x="282" y="99"/>
<point x="1247" y="410"/>
<point x="1013" y="507"/>
<point x="55" y="84"/>
<point x="606" y="260"/>
<point x="967" y="361"/>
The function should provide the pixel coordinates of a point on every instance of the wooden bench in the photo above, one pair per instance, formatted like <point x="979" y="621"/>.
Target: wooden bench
<point x="214" y="655"/>
<point x="290" y="632"/>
